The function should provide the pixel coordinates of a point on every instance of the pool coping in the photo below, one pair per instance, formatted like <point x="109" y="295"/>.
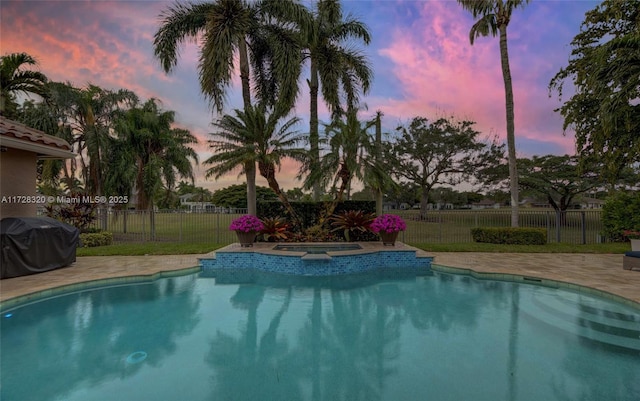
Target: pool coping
<point x="156" y="270"/>
<point x="534" y="280"/>
<point x="21" y="300"/>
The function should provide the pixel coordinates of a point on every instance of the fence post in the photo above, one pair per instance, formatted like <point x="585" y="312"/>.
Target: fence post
<point x="558" y="226"/>
<point x="218" y="227"/>
<point x="181" y="220"/>
<point x="144" y="219"/>
<point x="583" y="222"/>
<point x="440" y="226"/>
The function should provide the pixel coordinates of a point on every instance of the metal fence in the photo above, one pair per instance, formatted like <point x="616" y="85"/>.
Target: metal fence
<point x="454" y="226"/>
<point x="442" y="226"/>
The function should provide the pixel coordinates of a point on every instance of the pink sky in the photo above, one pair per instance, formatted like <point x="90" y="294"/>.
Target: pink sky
<point x="422" y="59"/>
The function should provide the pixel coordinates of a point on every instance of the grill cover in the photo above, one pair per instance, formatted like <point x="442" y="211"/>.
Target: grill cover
<point x="36" y="244"/>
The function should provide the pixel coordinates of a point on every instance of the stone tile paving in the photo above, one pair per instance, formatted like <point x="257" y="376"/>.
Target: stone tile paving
<point x="601" y="272"/>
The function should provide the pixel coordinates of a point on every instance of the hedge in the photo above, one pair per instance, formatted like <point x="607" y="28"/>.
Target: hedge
<point x="309" y="212"/>
<point x="88" y="240"/>
<point x="510" y="235"/>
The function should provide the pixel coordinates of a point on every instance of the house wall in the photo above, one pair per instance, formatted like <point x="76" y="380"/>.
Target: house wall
<point x="17" y="179"/>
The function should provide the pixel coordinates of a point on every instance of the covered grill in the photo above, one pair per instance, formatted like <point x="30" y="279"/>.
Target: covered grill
<point x="35" y="244"/>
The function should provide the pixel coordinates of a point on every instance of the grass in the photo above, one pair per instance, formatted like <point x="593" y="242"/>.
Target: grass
<point x="155" y="248"/>
<point x="608" y="248"/>
<point x="443" y="231"/>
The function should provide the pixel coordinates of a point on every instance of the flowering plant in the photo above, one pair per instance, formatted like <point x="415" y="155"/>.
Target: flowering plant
<point x="388" y="223"/>
<point x="631" y="234"/>
<point x="246" y="223"/>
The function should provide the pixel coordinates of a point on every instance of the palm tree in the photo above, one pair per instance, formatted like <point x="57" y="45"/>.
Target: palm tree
<point x="156" y="151"/>
<point x="351" y="153"/>
<point x="93" y="111"/>
<point x="255" y="136"/>
<point x="339" y="70"/>
<point x="227" y="27"/>
<point x="14" y="80"/>
<point x="495" y="16"/>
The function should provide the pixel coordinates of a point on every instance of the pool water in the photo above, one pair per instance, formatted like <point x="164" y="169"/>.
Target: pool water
<point x="373" y="337"/>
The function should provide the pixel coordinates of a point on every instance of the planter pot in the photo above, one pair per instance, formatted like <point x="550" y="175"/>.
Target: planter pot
<point x="246" y="239"/>
<point x="635" y="244"/>
<point x="389" y="238"/>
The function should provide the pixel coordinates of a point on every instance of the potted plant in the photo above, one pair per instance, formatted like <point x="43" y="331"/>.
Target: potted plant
<point x="246" y="228"/>
<point x="388" y="226"/>
<point x="634" y="237"/>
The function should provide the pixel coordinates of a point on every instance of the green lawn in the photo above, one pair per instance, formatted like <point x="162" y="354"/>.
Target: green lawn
<point x="442" y="231"/>
<point x="443" y="227"/>
<point x="155" y="248"/>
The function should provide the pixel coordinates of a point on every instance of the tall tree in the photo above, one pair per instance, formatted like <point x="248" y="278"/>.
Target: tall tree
<point x="85" y="118"/>
<point x="158" y="152"/>
<point x="235" y="27"/>
<point x="604" y="68"/>
<point x="349" y="154"/>
<point x="443" y="151"/>
<point x="15" y="79"/>
<point x="255" y="136"/>
<point x="494" y="17"/>
<point x="558" y="178"/>
<point x="338" y="70"/>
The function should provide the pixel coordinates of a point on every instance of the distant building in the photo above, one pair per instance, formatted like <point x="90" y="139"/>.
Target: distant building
<point x="591" y="203"/>
<point x="485" y="204"/>
<point x="187" y="203"/>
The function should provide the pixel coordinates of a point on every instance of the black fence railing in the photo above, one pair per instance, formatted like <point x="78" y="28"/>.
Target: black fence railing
<point x="441" y="226"/>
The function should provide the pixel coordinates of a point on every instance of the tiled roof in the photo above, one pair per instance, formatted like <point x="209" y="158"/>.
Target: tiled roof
<point x="20" y="131"/>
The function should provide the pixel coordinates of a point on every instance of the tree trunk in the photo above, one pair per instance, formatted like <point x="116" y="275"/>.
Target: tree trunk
<point x="250" y="168"/>
<point x="378" y="148"/>
<point x="424" y="200"/>
<point x="152" y="221"/>
<point x="345" y="177"/>
<point x="511" y="140"/>
<point x="268" y="171"/>
<point x="244" y="73"/>
<point x="314" y="136"/>
<point x="250" y="171"/>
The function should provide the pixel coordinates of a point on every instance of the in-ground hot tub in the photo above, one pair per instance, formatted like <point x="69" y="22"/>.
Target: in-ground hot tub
<point x="317" y="248"/>
<point x="316" y="259"/>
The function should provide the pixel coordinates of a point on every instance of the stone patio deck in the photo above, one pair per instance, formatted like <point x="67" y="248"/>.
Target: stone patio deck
<point x="603" y="273"/>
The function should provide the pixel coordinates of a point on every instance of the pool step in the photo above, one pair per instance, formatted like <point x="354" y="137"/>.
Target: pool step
<point x="580" y="316"/>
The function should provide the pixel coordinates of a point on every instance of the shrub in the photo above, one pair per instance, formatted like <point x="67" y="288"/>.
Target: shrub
<point x="354" y="224"/>
<point x="89" y="240"/>
<point x="510" y="235"/>
<point x="620" y="213"/>
<point x="78" y="214"/>
<point x="275" y="229"/>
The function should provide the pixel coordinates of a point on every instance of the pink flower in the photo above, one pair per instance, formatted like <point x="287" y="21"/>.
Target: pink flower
<point x="246" y="223"/>
<point x="388" y="223"/>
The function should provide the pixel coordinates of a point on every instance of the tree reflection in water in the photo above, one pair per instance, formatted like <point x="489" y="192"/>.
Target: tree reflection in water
<point x="83" y="339"/>
<point x="348" y="345"/>
<point x="370" y="337"/>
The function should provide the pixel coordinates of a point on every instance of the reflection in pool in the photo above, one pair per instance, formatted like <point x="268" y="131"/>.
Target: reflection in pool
<point x="437" y="337"/>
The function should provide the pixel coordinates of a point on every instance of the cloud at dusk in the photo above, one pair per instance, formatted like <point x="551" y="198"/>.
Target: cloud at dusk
<point x="423" y="64"/>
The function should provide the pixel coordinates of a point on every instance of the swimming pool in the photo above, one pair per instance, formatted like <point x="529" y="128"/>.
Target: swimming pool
<point x="375" y="336"/>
